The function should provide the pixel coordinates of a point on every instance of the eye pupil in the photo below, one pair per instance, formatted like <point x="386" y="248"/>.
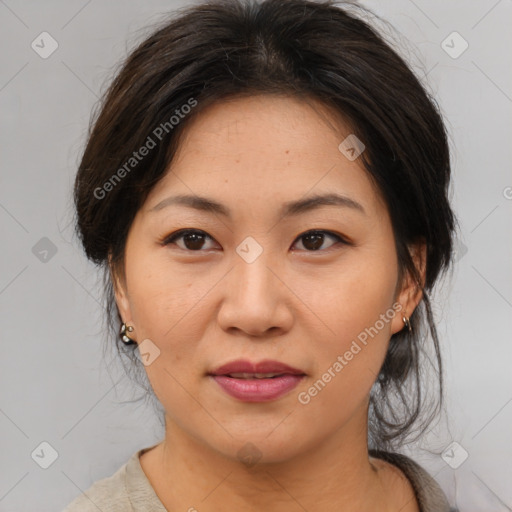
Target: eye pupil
<point x="193" y="241"/>
<point x="317" y="240"/>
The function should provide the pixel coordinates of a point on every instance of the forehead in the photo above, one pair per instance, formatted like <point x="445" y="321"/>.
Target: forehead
<point x="261" y="148"/>
<point x="265" y="124"/>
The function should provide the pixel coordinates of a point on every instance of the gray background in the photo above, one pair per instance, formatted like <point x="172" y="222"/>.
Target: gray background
<point x="57" y="386"/>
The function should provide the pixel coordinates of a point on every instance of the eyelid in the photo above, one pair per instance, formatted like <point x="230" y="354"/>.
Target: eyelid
<point x="182" y="232"/>
<point x="339" y="238"/>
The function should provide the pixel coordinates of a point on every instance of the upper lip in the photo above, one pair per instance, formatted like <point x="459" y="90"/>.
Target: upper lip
<point x="266" y="366"/>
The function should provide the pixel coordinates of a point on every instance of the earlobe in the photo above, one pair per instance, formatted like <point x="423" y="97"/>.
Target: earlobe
<point x="123" y="306"/>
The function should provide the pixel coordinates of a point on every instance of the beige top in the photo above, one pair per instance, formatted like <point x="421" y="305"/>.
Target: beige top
<point x="129" y="490"/>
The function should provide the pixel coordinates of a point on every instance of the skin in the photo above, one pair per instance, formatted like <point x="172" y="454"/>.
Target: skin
<point x="293" y="304"/>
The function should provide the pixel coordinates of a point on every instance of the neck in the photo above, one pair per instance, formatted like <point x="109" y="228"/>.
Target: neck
<point x="334" y="476"/>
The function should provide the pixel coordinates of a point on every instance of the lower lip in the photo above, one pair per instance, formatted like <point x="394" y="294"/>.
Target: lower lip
<point x="258" y="390"/>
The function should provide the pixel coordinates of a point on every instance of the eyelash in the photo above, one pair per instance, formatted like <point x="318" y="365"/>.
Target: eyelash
<point x="181" y="233"/>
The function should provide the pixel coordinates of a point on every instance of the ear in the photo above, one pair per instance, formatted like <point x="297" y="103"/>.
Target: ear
<point x="409" y="293"/>
<point x="120" y="292"/>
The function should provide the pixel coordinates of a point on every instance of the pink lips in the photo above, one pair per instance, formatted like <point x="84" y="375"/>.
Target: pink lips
<point x="257" y="389"/>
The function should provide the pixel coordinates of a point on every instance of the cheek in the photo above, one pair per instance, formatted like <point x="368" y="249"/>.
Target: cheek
<point x="163" y="297"/>
<point x="353" y="295"/>
<point x="164" y="304"/>
<point x="356" y="309"/>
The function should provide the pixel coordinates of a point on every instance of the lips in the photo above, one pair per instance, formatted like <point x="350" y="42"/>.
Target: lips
<point x="257" y="382"/>
<point x="253" y="375"/>
<point x="265" y="369"/>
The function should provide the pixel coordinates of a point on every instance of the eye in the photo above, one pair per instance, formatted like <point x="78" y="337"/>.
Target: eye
<point x="193" y="239"/>
<point x="313" y="240"/>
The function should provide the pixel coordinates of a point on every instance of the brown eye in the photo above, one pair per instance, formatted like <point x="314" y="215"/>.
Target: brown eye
<point x="195" y="240"/>
<point x="192" y="239"/>
<point x="314" y="240"/>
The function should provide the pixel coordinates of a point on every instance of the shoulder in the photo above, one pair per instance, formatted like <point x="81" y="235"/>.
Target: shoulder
<point x="108" y="494"/>
<point x="128" y="489"/>
<point x="428" y="493"/>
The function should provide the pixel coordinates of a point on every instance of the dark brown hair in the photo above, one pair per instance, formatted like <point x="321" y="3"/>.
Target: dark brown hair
<point x="305" y="49"/>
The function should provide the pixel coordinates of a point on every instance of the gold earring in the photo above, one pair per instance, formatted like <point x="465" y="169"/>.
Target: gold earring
<point x="126" y="339"/>
<point x="407" y="323"/>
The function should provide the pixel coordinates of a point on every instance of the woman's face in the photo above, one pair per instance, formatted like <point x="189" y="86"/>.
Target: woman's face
<point x="249" y="283"/>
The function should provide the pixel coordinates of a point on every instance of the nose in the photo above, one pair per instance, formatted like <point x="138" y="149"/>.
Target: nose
<point x="256" y="300"/>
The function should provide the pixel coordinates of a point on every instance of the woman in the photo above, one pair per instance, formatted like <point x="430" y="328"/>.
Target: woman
<point x="266" y="188"/>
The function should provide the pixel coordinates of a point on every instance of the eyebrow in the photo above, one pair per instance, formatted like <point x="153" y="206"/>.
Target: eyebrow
<point x="290" y="208"/>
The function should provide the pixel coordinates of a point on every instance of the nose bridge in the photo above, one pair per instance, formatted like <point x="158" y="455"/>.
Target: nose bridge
<point x="254" y="298"/>
<point x="254" y="280"/>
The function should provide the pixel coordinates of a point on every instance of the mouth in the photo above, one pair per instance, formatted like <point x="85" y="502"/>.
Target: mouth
<point x="257" y="382"/>
<point x="243" y="369"/>
<point x="247" y="376"/>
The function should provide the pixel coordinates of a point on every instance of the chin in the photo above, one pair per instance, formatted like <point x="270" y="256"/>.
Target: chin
<point x="260" y="447"/>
